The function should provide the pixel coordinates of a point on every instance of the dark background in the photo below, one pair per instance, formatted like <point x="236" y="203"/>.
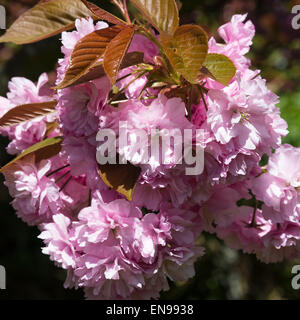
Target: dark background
<point x="222" y="273"/>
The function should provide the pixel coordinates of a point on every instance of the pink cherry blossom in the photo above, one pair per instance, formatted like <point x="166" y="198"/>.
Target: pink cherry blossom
<point x="278" y="187"/>
<point x="113" y="248"/>
<point x="36" y="198"/>
<point x="23" y="91"/>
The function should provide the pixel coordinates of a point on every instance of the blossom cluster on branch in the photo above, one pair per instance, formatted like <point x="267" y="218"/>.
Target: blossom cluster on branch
<point x="119" y="247"/>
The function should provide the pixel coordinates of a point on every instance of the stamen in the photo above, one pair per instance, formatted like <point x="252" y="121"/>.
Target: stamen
<point x="64" y="185"/>
<point x="57" y="170"/>
<point x="90" y="197"/>
<point x="61" y="177"/>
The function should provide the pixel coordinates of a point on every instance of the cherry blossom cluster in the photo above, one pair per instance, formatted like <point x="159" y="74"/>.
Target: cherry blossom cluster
<point x="114" y="248"/>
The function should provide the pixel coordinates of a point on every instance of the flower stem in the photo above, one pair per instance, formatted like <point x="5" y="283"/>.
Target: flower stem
<point x="118" y="4"/>
<point x="126" y="11"/>
<point x="203" y="99"/>
<point x="127" y="85"/>
<point x="145" y="32"/>
<point x="123" y="8"/>
<point x="253" y="221"/>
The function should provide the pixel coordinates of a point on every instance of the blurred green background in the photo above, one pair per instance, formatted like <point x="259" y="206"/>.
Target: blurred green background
<point x="222" y="273"/>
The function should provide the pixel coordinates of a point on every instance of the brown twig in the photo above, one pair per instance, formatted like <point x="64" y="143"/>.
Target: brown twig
<point x="126" y="11"/>
<point x="120" y="6"/>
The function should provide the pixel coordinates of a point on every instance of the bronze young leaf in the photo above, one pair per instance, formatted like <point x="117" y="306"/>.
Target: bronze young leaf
<point x="46" y="19"/>
<point x="120" y="177"/>
<point x="87" y="53"/>
<point x="187" y="50"/>
<point x="115" y="53"/>
<point x="42" y="150"/>
<point x="130" y="59"/>
<point x="27" y="112"/>
<point x="162" y="14"/>
<point x="102" y="14"/>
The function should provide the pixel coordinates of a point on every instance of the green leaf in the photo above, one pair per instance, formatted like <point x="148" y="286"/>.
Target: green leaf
<point x="130" y="59"/>
<point x="162" y="14"/>
<point x="187" y="50"/>
<point x="221" y="67"/>
<point x="103" y="15"/>
<point x="120" y="177"/>
<point x="42" y="150"/>
<point x="115" y="53"/>
<point x="27" y="112"/>
<point x="46" y="19"/>
<point x="87" y="53"/>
